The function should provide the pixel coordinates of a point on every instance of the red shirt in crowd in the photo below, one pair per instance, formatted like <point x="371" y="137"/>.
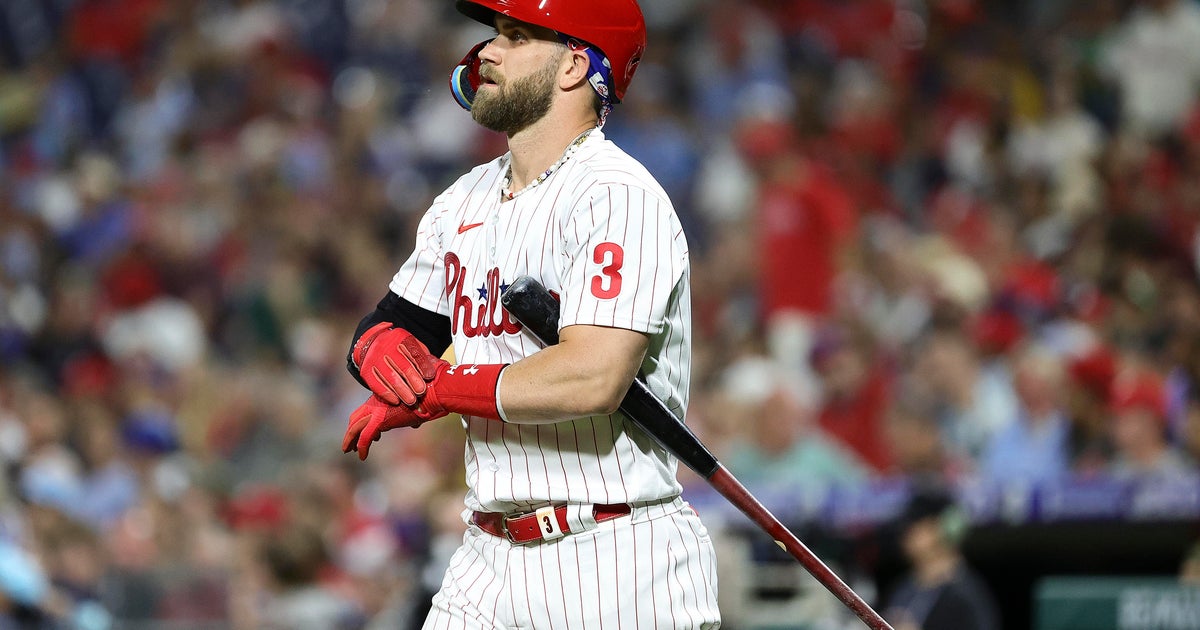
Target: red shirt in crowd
<point x="111" y="28"/>
<point x="857" y="421"/>
<point x="804" y="220"/>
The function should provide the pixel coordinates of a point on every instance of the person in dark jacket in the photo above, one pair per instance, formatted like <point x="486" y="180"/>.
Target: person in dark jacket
<point x="940" y="591"/>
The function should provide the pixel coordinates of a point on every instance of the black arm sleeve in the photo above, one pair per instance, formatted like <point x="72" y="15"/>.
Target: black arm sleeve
<point x="431" y="328"/>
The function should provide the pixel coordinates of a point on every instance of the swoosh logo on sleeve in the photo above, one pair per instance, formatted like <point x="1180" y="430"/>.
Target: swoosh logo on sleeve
<point x="463" y="227"/>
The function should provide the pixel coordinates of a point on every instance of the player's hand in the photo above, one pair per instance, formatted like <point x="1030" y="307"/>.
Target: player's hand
<point x="394" y="364"/>
<point x="372" y="418"/>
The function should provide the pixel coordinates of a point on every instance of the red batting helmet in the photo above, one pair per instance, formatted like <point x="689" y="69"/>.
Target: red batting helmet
<point x="616" y="27"/>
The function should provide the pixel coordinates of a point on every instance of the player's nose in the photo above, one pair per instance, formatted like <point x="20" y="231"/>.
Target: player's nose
<point x="490" y="54"/>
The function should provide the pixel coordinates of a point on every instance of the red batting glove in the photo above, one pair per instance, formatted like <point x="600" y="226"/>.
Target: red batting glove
<point x="394" y="363"/>
<point x="466" y="389"/>
<point x="372" y="418"/>
<point x="439" y="388"/>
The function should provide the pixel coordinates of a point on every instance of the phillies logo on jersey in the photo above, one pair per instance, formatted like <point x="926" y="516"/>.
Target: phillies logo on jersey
<point x="476" y="310"/>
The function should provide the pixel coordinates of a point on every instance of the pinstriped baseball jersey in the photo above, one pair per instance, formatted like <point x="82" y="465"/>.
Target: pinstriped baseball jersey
<point x="601" y="233"/>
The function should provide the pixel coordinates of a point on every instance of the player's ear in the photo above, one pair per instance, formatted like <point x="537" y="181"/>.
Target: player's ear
<point x="573" y="69"/>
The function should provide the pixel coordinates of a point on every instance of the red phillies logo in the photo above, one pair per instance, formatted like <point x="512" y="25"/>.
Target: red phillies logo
<point x="476" y="310"/>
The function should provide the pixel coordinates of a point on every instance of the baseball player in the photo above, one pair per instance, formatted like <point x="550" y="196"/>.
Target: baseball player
<point x="575" y="517"/>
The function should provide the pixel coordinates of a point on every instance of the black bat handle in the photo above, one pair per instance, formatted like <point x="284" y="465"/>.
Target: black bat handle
<point x="534" y="306"/>
<point x="538" y="310"/>
<point x="668" y="430"/>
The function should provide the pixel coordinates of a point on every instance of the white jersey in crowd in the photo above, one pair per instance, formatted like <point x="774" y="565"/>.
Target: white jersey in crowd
<point x="601" y="234"/>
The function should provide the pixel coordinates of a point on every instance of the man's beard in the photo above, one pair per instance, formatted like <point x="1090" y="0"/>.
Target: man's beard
<point x="516" y="104"/>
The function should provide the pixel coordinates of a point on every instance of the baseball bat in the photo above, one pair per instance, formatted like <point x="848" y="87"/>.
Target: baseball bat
<point x="537" y="310"/>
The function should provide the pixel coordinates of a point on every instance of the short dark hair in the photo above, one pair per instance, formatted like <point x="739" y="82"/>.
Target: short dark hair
<point x="295" y="556"/>
<point x="927" y="499"/>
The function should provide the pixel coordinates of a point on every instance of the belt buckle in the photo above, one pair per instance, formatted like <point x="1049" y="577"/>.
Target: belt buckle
<point x="508" y="534"/>
<point x="504" y="530"/>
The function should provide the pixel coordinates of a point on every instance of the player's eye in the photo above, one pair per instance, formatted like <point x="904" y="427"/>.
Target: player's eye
<point x="513" y="32"/>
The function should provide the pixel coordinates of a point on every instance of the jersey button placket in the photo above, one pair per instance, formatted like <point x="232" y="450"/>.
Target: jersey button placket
<point x="493" y="236"/>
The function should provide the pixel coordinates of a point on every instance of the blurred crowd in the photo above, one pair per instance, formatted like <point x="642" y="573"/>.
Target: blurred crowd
<point x="947" y="238"/>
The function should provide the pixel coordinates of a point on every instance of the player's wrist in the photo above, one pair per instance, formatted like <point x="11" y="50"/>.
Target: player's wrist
<point x="467" y="389"/>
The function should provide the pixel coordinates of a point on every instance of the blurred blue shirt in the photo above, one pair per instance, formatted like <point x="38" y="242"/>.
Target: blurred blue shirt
<point x="1028" y="453"/>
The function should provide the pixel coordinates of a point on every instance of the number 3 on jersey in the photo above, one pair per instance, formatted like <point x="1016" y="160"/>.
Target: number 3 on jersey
<point x="607" y="284"/>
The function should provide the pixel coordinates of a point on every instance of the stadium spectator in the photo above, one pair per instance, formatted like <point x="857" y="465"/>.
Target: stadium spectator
<point x="1032" y="447"/>
<point x="940" y="591"/>
<point x="1139" y="427"/>
<point x="855" y="389"/>
<point x="804" y="219"/>
<point x="973" y="401"/>
<point x="296" y="560"/>
<point x="779" y="444"/>
<point x="916" y="444"/>
<point x="1152" y="59"/>
<point x="1089" y="391"/>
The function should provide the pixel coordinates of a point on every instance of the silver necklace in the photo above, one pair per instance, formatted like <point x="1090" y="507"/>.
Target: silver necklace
<point x="506" y="192"/>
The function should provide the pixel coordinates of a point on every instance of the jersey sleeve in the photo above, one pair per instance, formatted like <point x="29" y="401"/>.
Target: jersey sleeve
<point x="421" y="279"/>
<point x="624" y="251"/>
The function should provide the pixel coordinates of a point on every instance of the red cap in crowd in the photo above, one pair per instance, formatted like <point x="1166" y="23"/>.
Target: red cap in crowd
<point x="1143" y="391"/>
<point x="259" y="508"/>
<point x="1095" y="372"/>
<point x="997" y="330"/>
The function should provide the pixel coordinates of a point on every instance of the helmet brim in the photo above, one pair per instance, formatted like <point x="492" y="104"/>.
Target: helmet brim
<point x="480" y="14"/>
